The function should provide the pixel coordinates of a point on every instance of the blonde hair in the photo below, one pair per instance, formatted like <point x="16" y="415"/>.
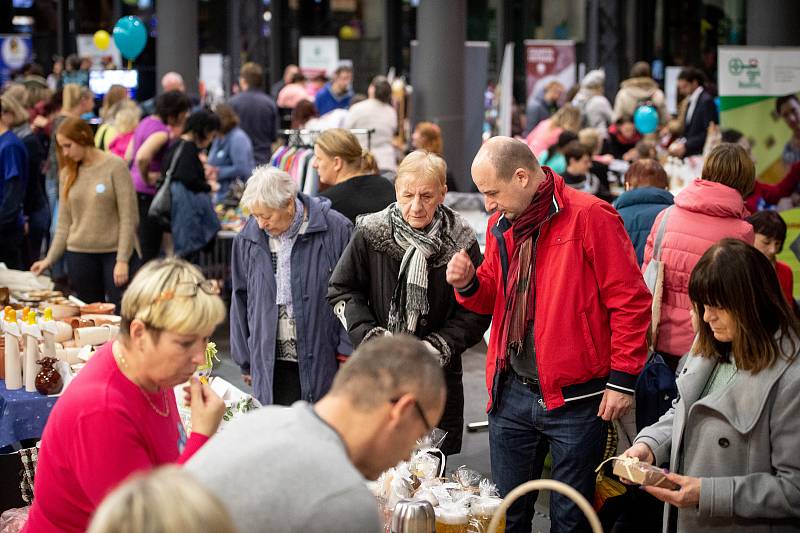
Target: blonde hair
<point x="15" y="107"/>
<point x="590" y="138"/>
<point x="179" y="314"/>
<point x="126" y="116"/>
<point x="729" y="164"/>
<point x="338" y="142"/>
<point x="18" y="92"/>
<point x="71" y="96"/>
<point x="115" y="95"/>
<point x="425" y="165"/>
<point x="567" y="117"/>
<point x="166" y="500"/>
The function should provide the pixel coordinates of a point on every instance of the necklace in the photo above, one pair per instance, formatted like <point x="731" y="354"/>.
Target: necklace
<point x="161" y="412"/>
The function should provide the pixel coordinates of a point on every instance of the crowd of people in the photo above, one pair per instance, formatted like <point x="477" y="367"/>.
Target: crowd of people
<point x="350" y="309"/>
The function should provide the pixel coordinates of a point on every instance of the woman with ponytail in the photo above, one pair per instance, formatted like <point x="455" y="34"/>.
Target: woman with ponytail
<point x="97" y="216"/>
<point x="351" y="173"/>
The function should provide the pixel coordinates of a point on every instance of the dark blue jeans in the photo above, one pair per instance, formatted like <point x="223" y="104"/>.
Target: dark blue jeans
<point x="520" y="433"/>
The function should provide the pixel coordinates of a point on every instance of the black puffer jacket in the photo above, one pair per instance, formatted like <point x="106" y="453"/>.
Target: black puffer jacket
<point x="361" y="289"/>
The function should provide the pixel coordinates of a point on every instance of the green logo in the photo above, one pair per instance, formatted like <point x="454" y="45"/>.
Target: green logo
<point x="737" y="67"/>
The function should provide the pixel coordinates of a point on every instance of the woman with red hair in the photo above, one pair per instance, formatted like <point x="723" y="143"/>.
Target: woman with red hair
<point x="97" y="216"/>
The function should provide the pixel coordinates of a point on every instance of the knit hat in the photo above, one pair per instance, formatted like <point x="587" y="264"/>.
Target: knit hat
<point x="594" y="78"/>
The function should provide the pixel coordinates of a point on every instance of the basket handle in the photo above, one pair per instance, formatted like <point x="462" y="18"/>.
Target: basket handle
<point x="547" y="484"/>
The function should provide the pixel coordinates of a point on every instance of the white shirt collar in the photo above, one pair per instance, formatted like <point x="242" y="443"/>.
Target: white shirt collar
<point x="693" y="98"/>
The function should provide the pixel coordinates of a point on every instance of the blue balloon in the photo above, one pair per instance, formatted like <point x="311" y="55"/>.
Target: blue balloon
<point x="130" y="36"/>
<point x="645" y="118"/>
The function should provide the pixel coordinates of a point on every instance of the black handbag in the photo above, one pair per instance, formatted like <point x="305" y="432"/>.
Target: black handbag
<point x="161" y="207"/>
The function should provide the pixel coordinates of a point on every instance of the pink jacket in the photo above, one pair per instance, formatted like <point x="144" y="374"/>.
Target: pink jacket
<point x="704" y="213"/>
<point x="542" y="137"/>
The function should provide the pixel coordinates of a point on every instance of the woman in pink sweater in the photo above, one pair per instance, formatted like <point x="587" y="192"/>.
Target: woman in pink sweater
<point x="709" y="209"/>
<point x="119" y="415"/>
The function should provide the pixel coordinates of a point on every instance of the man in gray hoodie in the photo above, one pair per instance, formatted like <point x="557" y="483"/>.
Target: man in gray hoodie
<point x="303" y="468"/>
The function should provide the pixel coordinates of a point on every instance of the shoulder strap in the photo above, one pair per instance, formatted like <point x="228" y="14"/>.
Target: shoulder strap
<point x="660" y="235"/>
<point x="174" y="161"/>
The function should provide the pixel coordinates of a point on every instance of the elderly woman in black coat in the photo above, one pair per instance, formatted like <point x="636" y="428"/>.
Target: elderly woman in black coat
<point x="391" y="278"/>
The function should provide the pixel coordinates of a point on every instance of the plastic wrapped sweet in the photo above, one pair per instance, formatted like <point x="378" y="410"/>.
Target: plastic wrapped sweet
<point x="13" y="520"/>
<point x="483" y="508"/>
<point x="468" y="478"/>
<point x="451" y="518"/>
<point x="401" y="485"/>
<point x="635" y="471"/>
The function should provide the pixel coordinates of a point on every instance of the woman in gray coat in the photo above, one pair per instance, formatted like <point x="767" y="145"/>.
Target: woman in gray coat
<point x="734" y="431"/>
<point x="284" y="336"/>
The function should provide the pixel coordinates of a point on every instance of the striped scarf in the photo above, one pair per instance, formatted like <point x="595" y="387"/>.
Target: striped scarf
<point x="520" y="272"/>
<point x="410" y="298"/>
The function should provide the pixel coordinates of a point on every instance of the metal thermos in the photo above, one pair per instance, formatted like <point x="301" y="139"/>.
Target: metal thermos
<point x="413" y="516"/>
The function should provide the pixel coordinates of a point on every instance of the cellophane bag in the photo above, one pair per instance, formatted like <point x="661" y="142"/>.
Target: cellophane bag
<point x="13" y="520"/>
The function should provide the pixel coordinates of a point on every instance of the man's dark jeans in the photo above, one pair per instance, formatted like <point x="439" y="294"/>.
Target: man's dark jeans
<point x="520" y="433"/>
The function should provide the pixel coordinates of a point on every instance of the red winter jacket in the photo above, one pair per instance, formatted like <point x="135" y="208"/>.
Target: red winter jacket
<point x="705" y="212"/>
<point x="592" y="307"/>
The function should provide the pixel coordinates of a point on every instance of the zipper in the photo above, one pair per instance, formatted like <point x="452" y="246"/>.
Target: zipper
<point x="533" y="287"/>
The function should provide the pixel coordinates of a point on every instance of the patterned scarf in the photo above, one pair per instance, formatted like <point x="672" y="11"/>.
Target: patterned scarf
<point x="519" y="295"/>
<point x="283" y="272"/>
<point x="410" y="298"/>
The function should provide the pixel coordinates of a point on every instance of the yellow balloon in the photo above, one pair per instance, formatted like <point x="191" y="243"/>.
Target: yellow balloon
<point x="102" y="39"/>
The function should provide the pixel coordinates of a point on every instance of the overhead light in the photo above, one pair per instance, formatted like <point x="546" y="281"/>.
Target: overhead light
<point x="267" y="16"/>
<point x="19" y="20"/>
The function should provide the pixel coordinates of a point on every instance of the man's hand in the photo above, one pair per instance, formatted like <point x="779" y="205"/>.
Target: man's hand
<point x="687" y="496"/>
<point x="615" y="405"/>
<point x="460" y="270"/>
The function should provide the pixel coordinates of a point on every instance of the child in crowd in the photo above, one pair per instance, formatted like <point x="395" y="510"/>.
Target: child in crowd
<point x="770" y="232"/>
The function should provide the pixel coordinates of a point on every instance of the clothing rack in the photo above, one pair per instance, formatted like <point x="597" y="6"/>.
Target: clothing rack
<point x="295" y="136"/>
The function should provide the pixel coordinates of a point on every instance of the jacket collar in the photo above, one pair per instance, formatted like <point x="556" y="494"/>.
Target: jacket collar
<point x="644" y="195"/>
<point x="316" y="208"/>
<point x="456" y="234"/>
<point x="743" y="402"/>
<point x="504" y="224"/>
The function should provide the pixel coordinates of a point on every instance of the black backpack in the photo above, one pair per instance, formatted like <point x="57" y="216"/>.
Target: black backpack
<point x="656" y="389"/>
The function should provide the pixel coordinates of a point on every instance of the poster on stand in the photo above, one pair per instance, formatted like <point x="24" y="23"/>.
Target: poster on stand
<point x="87" y="48"/>
<point x="547" y="60"/>
<point x="750" y="80"/>
<point x="319" y="55"/>
<point x="15" y="51"/>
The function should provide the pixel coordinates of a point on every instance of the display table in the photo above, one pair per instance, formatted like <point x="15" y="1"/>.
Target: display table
<point x="22" y="414"/>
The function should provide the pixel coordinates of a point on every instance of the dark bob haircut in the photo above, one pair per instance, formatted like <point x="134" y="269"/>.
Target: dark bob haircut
<point x="769" y="223"/>
<point x="739" y="279"/>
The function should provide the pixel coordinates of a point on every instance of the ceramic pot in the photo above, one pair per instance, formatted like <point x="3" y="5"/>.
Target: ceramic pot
<point x="48" y="380"/>
<point x="98" y="308"/>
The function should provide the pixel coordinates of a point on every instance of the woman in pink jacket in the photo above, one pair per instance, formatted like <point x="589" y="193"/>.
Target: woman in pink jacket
<point x="709" y="209"/>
